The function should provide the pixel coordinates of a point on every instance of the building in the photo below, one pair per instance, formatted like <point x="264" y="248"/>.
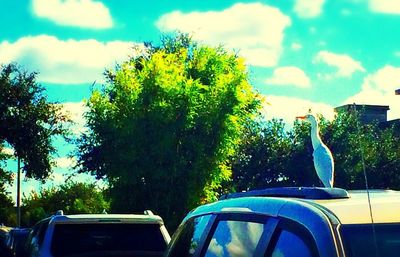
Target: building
<point x="368" y="113"/>
<point x="372" y="113"/>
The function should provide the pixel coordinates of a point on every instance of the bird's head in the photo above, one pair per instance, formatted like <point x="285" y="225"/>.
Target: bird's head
<point x="309" y="117"/>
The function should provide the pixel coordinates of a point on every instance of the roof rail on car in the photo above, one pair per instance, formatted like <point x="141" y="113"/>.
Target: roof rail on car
<point x="59" y="212"/>
<point x="148" y="212"/>
<point x="294" y="192"/>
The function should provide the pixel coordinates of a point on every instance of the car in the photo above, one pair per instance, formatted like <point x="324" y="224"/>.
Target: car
<point x="15" y="241"/>
<point x="99" y="235"/>
<point x="293" y="222"/>
<point x="3" y="237"/>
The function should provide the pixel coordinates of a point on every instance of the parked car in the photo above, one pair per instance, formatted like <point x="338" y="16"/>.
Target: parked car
<point x="293" y="222"/>
<point x="99" y="235"/>
<point x="3" y="236"/>
<point x="15" y="241"/>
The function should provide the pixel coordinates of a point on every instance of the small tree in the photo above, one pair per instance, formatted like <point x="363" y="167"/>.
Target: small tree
<point x="72" y="198"/>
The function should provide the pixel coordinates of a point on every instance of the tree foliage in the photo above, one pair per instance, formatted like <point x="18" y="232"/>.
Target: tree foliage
<point x="7" y="213"/>
<point x="272" y="156"/>
<point x="164" y="126"/>
<point x="72" y="198"/>
<point x="28" y="121"/>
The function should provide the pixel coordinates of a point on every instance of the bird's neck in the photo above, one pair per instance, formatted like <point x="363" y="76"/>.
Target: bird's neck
<point x="315" y="138"/>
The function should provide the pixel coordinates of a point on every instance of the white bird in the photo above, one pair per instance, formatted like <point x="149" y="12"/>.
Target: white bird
<point x="323" y="159"/>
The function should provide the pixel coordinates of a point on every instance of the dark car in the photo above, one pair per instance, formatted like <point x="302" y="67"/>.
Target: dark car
<point x="293" y="222"/>
<point x="15" y="241"/>
<point x="99" y="235"/>
<point x="3" y="236"/>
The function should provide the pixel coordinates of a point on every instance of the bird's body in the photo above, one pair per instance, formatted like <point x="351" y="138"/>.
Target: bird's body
<point x="323" y="159"/>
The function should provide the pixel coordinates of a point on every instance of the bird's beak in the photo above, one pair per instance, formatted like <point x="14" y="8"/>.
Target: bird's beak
<point x="301" y="117"/>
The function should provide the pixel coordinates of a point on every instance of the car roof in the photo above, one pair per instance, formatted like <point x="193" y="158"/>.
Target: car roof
<point x="107" y="218"/>
<point x="349" y="207"/>
<point x="385" y="207"/>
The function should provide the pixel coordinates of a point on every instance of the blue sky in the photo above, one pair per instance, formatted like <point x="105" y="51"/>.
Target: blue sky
<point x="301" y="54"/>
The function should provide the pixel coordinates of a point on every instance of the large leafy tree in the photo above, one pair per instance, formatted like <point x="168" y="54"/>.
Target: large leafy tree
<point x="72" y="198"/>
<point x="272" y="156"/>
<point x="28" y="121"/>
<point x="164" y="126"/>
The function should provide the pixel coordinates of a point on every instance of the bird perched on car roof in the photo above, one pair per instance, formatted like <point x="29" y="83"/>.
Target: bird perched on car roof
<point x="323" y="159"/>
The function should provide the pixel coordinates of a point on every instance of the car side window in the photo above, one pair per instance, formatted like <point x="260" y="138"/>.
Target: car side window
<point x="187" y="239"/>
<point x="42" y="233"/>
<point x="235" y="238"/>
<point x="291" y="240"/>
<point x="33" y="234"/>
<point x="37" y="234"/>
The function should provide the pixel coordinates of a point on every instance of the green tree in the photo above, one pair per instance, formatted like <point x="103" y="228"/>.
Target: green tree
<point x="272" y="156"/>
<point x="72" y="198"/>
<point x="6" y="204"/>
<point x="262" y="157"/>
<point x="164" y="127"/>
<point x="371" y="147"/>
<point x="7" y="213"/>
<point x="27" y="124"/>
<point x="277" y="157"/>
<point x="28" y="121"/>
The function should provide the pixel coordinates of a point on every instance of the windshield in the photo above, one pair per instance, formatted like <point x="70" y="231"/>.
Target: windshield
<point x="70" y="239"/>
<point x="360" y="241"/>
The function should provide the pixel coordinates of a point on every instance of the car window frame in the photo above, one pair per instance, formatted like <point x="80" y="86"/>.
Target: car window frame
<point x="269" y="222"/>
<point x="32" y="241"/>
<point x="296" y="228"/>
<point x="182" y="229"/>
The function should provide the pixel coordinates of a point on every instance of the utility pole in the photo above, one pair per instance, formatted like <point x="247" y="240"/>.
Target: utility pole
<point x="19" y="192"/>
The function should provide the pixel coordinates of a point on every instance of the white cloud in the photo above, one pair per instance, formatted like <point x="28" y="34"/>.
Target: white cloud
<point x="80" y="13"/>
<point x="378" y="89"/>
<point x="215" y="248"/>
<point x="244" y="238"/>
<point x="65" y="162"/>
<point x="289" y="75"/>
<point x="7" y="151"/>
<point x="308" y="8"/>
<point x="76" y="112"/>
<point x="57" y="178"/>
<point x="296" y="46"/>
<point x="256" y="30"/>
<point x="344" y="64"/>
<point x="287" y="108"/>
<point x="385" y="6"/>
<point x="65" y="61"/>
